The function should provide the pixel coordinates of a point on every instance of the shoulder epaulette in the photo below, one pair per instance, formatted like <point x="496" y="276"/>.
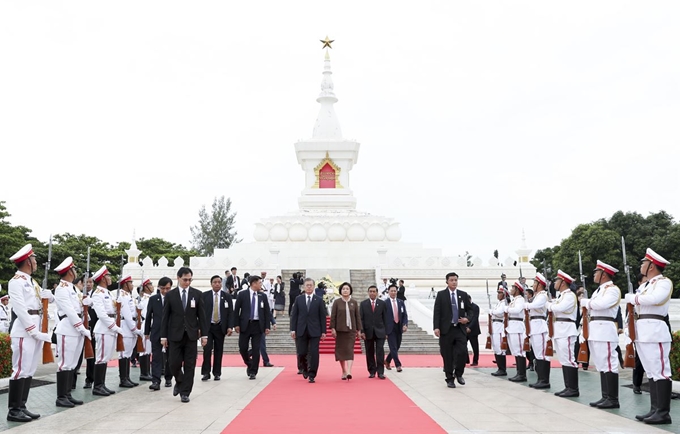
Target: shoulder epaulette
<point x="19" y="276"/>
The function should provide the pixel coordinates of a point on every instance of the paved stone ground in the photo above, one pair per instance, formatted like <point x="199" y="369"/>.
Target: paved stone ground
<point x="484" y="404"/>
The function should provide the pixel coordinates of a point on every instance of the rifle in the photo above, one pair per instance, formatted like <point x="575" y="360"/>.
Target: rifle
<point x="629" y="360"/>
<point x="488" y="297"/>
<point x="140" y="342"/>
<point x="120" y="345"/>
<point x="88" y="352"/>
<point x="527" y="325"/>
<point x="583" y="347"/>
<point x="549" y="344"/>
<point x="504" y="340"/>
<point x="48" y="356"/>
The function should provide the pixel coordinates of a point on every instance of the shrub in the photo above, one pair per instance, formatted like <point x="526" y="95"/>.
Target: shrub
<point x="5" y="355"/>
<point x="675" y="356"/>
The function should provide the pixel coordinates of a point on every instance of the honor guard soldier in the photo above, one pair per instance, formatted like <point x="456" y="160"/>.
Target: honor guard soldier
<point x="71" y="332"/>
<point x="4" y="314"/>
<point x="538" y="313"/>
<point x="517" y="331"/>
<point x="604" y="333"/>
<point x="145" y="358"/>
<point x="27" y="340"/>
<point x="128" y="318"/>
<point x="105" y="331"/>
<point x="498" y="330"/>
<point x="653" y="337"/>
<point x="565" y="309"/>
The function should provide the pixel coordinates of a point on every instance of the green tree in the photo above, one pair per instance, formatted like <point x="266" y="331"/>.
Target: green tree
<point x="215" y="230"/>
<point x="544" y="260"/>
<point x="156" y="248"/>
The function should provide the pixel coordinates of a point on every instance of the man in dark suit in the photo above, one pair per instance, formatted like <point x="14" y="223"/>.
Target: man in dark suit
<point x="152" y="331"/>
<point x="373" y="319"/>
<point x="308" y="327"/>
<point x="184" y="320"/>
<point x="451" y="313"/>
<point x="219" y="308"/>
<point x="294" y="290"/>
<point x="253" y="318"/>
<point x="473" y="332"/>
<point x="233" y="284"/>
<point x="395" y="326"/>
<point x="401" y="290"/>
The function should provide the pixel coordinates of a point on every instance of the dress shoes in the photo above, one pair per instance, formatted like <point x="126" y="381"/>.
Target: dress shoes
<point x="16" y="415"/>
<point x="637" y="390"/>
<point x="206" y="377"/>
<point x="311" y="380"/>
<point x="251" y="376"/>
<point x="460" y="380"/>
<point x="155" y="386"/>
<point x="371" y="376"/>
<point x="381" y="376"/>
<point x="168" y="383"/>
<point x="388" y="366"/>
<point x="217" y="378"/>
<point x="399" y="369"/>
<point x="305" y="374"/>
<point x="474" y="364"/>
<point x="268" y="365"/>
<point x="87" y="385"/>
<point x="451" y="384"/>
<point x="175" y="390"/>
<point x="184" y="398"/>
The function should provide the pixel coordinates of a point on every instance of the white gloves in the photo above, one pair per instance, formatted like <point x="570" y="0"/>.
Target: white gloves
<point x="627" y="340"/>
<point x="139" y="333"/>
<point x="585" y="303"/>
<point x="549" y="307"/>
<point x="87" y="301"/>
<point x="505" y="309"/>
<point x="117" y="330"/>
<point x="45" y="337"/>
<point x="47" y="294"/>
<point x="85" y="332"/>
<point x="581" y="339"/>
<point x="630" y="298"/>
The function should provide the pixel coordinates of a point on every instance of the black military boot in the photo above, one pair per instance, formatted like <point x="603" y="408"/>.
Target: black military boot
<point x="99" y="375"/>
<point x="72" y="382"/>
<point x="145" y="368"/>
<point x="25" y="388"/>
<point x="603" y="388"/>
<point x="539" y="373"/>
<point x="664" y="389"/>
<point x="572" y="383"/>
<point x="653" y="400"/>
<point x="14" y="402"/>
<point x="123" y="372"/>
<point x="521" y="370"/>
<point x="127" y="374"/>
<point x="500" y="363"/>
<point x="612" y="400"/>
<point x="543" y="369"/>
<point x="62" y="384"/>
<point x="565" y="377"/>
<point x="104" y="368"/>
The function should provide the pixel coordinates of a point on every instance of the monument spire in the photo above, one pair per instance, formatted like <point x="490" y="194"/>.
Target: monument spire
<point x="327" y="125"/>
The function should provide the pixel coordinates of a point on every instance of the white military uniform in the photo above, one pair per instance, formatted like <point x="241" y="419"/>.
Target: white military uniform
<point x="70" y="330"/>
<point x="497" y="327"/>
<point x="652" y="338"/>
<point x="143" y="304"/>
<point x="603" y="335"/>
<point x="105" y="330"/>
<point x="538" y="313"/>
<point x="4" y="318"/>
<point x="516" y="330"/>
<point x="128" y="317"/>
<point x="565" y="309"/>
<point x="26" y="337"/>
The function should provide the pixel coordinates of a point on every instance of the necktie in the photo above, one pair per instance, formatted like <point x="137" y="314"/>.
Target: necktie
<point x="184" y="298"/>
<point x="372" y="305"/>
<point x="253" y="303"/>
<point x="216" y="315"/>
<point x="309" y="300"/>
<point x="454" y="309"/>
<point x="162" y="301"/>
<point x="395" y="310"/>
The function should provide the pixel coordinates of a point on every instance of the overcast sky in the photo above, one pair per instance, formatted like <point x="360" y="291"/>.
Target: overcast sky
<point x="476" y="119"/>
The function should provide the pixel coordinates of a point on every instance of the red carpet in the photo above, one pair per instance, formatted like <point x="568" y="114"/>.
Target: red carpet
<point x="330" y="405"/>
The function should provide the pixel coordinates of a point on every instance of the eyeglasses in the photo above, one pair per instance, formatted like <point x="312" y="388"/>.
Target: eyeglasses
<point x="186" y="279"/>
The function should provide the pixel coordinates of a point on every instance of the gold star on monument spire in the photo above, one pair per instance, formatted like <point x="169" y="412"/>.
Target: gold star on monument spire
<point x="326" y="42"/>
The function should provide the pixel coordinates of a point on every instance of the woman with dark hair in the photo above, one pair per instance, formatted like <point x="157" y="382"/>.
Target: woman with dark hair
<point x="279" y="296"/>
<point x="345" y="327"/>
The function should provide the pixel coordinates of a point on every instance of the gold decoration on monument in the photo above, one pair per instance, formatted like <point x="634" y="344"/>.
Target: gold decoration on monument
<point x="326" y="42"/>
<point x="318" y="173"/>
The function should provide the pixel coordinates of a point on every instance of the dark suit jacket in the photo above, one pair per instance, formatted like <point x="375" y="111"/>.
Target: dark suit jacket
<point x="230" y="283"/>
<point x="443" y="314"/>
<point x="473" y="325"/>
<point x="312" y="320"/>
<point x="401" y="293"/>
<point x="226" y="309"/>
<point x="242" y="310"/>
<point x="403" y="315"/>
<point x="177" y="320"/>
<point x="373" y="324"/>
<point x="154" y="317"/>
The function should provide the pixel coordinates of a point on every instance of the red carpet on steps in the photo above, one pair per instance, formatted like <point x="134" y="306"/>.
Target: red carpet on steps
<point x="290" y="404"/>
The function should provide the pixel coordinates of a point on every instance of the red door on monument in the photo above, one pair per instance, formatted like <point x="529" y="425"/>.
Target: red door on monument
<point x="327" y="176"/>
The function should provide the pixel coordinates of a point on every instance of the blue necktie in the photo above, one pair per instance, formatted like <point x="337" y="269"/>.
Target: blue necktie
<point x="454" y="309"/>
<point x="184" y="298"/>
<point x="253" y="303"/>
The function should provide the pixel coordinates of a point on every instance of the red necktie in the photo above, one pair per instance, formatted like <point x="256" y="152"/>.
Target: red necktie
<point x="395" y="310"/>
<point x="372" y="306"/>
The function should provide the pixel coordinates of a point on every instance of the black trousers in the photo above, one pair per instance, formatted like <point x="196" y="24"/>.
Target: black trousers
<point x="183" y="362"/>
<point x="638" y="371"/>
<point x="394" y="342"/>
<point x="158" y="360"/>
<point x="89" y="370"/>
<point x="453" y="347"/>
<point x="216" y="340"/>
<point x="375" y="355"/>
<point x="251" y="336"/>
<point x="474" y="343"/>
<point x="291" y="301"/>
<point x="308" y="353"/>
